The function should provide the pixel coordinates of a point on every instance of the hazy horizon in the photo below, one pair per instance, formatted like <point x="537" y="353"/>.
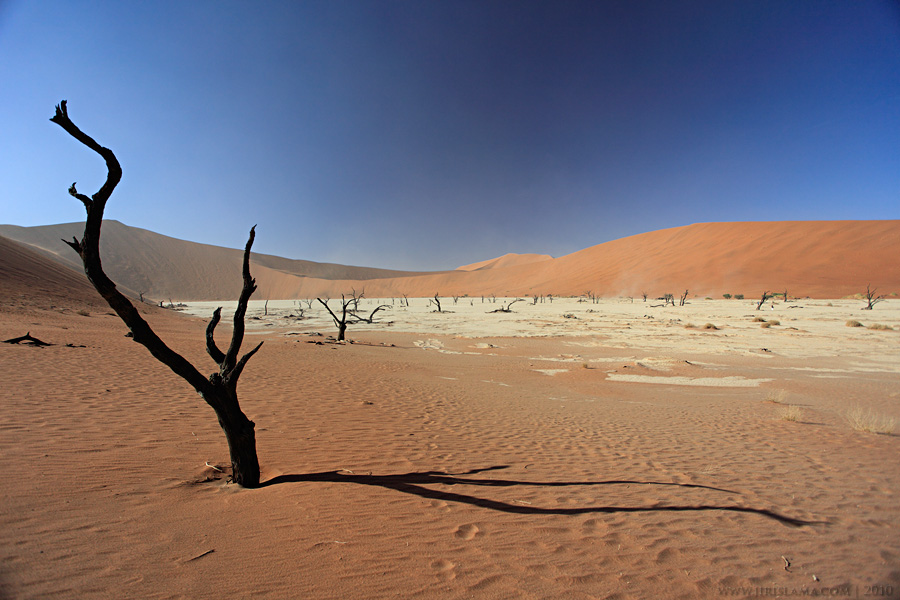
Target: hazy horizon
<point x="426" y="136"/>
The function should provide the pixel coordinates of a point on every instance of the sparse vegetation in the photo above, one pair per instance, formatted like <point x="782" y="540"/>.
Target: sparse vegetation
<point x="791" y="412"/>
<point x="853" y="323"/>
<point x="758" y="320"/>
<point x="777" y="396"/>
<point x="772" y="323"/>
<point x="690" y="326"/>
<point x="738" y="296"/>
<point x="711" y="327"/>
<point x="726" y="296"/>
<point x="869" y="422"/>
<point x="880" y="327"/>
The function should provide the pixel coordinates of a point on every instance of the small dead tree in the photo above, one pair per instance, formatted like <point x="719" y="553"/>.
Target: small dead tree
<point x="437" y="301"/>
<point x="371" y="318"/>
<point x="342" y="321"/>
<point x="765" y="296"/>
<point x="219" y="390"/>
<point x="683" y="299"/>
<point x="871" y="298"/>
<point x="644" y="295"/>
<point x="507" y="308"/>
<point x="355" y="298"/>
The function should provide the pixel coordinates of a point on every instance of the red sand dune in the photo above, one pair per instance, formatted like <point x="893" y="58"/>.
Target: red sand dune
<point x="31" y="280"/>
<point x="507" y="260"/>
<point x="806" y="258"/>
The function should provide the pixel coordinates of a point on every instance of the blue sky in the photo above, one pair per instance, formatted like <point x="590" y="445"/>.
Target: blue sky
<point x="426" y="135"/>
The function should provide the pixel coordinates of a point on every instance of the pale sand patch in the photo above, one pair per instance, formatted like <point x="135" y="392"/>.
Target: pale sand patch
<point x="735" y="381"/>
<point x="551" y="371"/>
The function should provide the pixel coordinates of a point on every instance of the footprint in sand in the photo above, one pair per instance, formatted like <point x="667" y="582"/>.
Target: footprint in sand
<point x="466" y="532"/>
<point x="444" y="568"/>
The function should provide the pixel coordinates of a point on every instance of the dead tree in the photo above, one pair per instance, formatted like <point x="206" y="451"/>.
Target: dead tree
<point x="683" y="299"/>
<point x="355" y="298"/>
<point x="342" y="321"/>
<point x="644" y="294"/>
<point x="371" y="318"/>
<point x="507" y="308"/>
<point x="766" y="295"/>
<point x="871" y="298"/>
<point x="437" y="301"/>
<point x="219" y="390"/>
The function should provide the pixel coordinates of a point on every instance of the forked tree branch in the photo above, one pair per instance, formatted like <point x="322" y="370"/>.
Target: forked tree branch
<point x="88" y="248"/>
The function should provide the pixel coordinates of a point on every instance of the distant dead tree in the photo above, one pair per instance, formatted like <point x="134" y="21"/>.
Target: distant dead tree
<point x="534" y="299"/>
<point x="871" y="298"/>
<point x="644" y="295"/>
<point x="437" y="301"/>
<point x="219" y="390"/>
<point x="683" y="299"/>
<point x="346" y="315"/>
<point x="355" y="298"/>
<point x="507" y="308"/>
<point x="765" y="296"/>
<point x="371" y="318"/>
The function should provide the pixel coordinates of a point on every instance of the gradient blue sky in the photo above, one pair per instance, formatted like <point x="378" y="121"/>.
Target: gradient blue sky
<point x="426" y="135"/>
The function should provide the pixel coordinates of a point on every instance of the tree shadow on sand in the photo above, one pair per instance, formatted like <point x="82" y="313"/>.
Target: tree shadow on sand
<point x="413" y="483"/>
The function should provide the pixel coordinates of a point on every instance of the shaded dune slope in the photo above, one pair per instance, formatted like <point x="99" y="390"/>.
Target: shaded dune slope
<point x="30" y="280"/>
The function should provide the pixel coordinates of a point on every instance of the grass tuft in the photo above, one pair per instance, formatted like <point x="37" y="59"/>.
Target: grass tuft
<point x="777" y="396"/>
<point x="791" y="412"/>
<point x="880" y="327"/>
<point x="869" y="422"/>
<point x="853" y="323"/>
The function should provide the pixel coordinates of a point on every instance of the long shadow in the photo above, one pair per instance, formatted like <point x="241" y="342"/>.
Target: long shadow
<point x="412" y="483"/>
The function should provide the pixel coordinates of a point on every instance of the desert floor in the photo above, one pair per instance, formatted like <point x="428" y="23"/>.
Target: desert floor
<point x="613" y="453"/>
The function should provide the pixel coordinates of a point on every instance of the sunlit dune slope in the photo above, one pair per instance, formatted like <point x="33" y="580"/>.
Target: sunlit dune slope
<point x="507" y="260"/>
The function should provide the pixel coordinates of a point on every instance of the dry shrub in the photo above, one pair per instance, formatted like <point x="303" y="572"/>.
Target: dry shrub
<point x="767" y="324"/>
<point x="690" y="326"/>
<point x="710" y="326"/>
<point x="776" y="396"/>
<point x="83" y="313"/>
<point x="868" y="421"/>
<point x="880" y="327"/>
<point x="791" y="412"/>
<point x="758" y="320"/>
<point x="853" y="323"/>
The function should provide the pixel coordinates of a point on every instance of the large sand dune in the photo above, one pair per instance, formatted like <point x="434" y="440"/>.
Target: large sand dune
<point x="809" y="258"/>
